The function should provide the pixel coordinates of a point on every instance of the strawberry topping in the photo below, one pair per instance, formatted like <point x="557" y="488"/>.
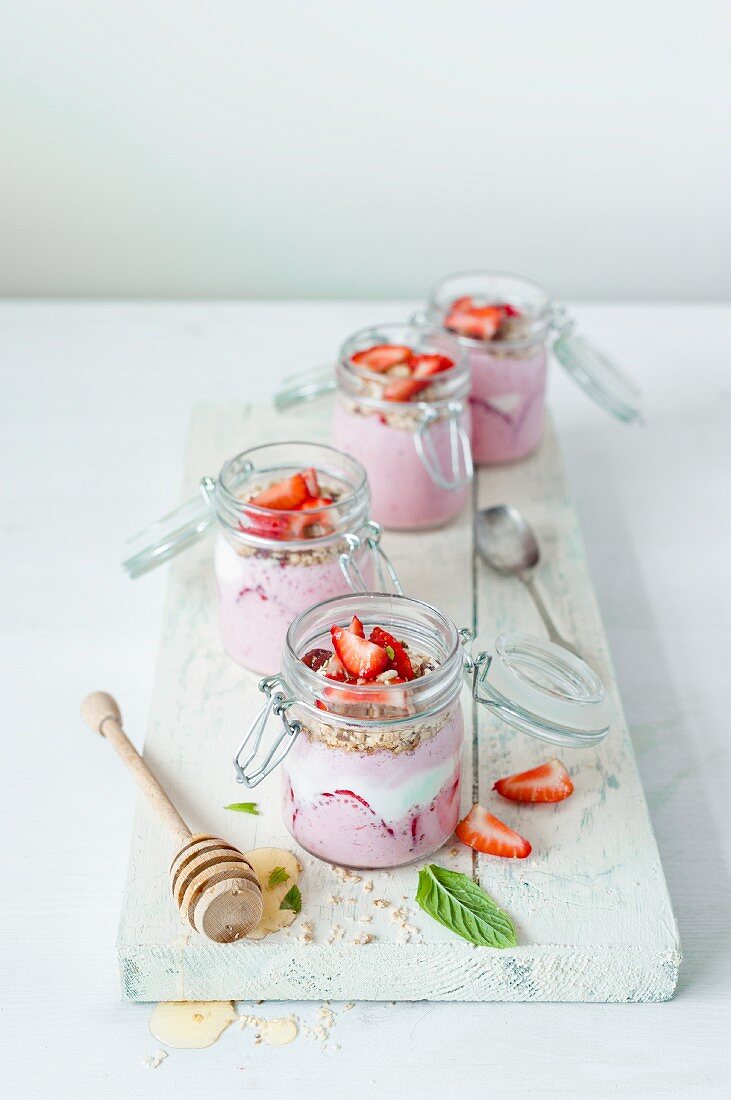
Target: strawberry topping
<point x="284" y="495"/>
<point x="357" y="627"/>
<point x="477" y="322"/>
<point x="486" y="833"/>
<point x="400" y="660"/>
<point x="382" y="357"/>
<point x="549" y="782"/>
<point x="361" y="658"/>
<point x="316" y="658"/>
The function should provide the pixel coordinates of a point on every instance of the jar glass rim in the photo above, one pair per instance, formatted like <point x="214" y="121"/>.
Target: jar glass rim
<point x="347" y="508"/>
<point x="455" y="382"/>
<point x="434" y="683"/>
<point x="540" y="312"/>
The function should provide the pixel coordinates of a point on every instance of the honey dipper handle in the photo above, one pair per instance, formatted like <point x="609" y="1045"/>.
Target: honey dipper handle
<point x="102" y="715"/>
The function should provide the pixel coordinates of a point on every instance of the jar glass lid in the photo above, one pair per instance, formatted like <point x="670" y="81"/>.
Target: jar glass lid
<point x="598" y="376"/>
<point x="543" y="690"/>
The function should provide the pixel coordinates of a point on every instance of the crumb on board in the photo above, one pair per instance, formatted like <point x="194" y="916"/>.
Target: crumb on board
<point x="152" y="1061"/>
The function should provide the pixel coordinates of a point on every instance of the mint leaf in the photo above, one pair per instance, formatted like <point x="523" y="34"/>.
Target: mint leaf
<point x="278" y="875"/>
<point x="459" y="904"/>
<point x="292" y="900"/>
<point x="243" y="807"/>
<point x="390" y="653"/>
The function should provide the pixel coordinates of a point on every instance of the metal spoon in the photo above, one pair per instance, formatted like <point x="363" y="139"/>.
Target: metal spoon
<point x="506" y="542"/>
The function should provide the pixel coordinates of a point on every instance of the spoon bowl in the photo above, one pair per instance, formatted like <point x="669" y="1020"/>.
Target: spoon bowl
<point x="507" y="543"/>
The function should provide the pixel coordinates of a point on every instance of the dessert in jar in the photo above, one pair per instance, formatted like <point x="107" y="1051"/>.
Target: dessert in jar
<point x="505" y="325"/>
<point x="293" y="528"/>
<point x="401" y="410"/>
<point x="371" y="745"/>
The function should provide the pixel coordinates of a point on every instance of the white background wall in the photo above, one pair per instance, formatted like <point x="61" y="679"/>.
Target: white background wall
<point x="230" y="147"/>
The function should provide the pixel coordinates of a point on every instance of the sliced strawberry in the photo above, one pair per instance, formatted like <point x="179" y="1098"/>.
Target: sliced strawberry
<point x="335" y="670"/>
<point x="486" y="833"/>
<point x="382" y="357"/>
<point x="320" y="705"/>
<point x="310" y="479"/>
<point x="510" y="311"/>
<point x="316" y="658"/>
<point x="266" y="525"/>
<point x="424" y="366"/>
<point x="479" y="323"/>
<point x="310" y="517"/>
<point x="342" y="696"/>
<point x="403" y="389"/>
<point x="549" y="782"/>
<point x="357" y="626"/>
<point x="360" y="658"/>
<point x="400" y="660"/>
<point x="287" y="494"/>
<point x="462" y="305"/>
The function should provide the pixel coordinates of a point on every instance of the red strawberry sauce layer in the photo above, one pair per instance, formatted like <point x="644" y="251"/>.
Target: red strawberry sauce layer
<point x="375" y="809"/>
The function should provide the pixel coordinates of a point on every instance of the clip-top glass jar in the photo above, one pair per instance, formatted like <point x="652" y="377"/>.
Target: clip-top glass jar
<point x="505" y="323"/>
<point x="409" y="430"/>
<point x="272" y="564"/>
<point x="371" y="772"/>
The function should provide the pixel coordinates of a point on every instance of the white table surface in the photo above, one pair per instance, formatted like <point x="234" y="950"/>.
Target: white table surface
<point x="95" y="402"/>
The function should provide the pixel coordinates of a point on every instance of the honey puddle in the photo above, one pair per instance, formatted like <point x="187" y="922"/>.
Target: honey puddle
<point x="197" y="1024"/>
<point x="191" y="1024"/>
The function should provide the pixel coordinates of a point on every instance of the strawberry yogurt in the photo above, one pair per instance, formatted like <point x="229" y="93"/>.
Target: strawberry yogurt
<point x="260" y="592"/>
<point x="375" y="808"/>
<point x="401" y="411"/>
<point x="502" y="323"/>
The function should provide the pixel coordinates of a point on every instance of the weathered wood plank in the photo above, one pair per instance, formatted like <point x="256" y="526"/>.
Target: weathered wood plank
<point x="592" y="910"/>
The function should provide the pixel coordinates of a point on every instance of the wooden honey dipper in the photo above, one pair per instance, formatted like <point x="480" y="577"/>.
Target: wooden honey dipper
<point x="214" y="886"/>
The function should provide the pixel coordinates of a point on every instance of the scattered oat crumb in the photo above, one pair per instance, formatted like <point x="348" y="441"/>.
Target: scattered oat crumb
<point x="453" y="852"/>
<point x="365" y="920"/>
<point x="346" y="875"/>
<point x="306" y="933"/>
<point x="325" y="1016"/>
<point x="399" y="915"/>
<point x="336" y="933"/>
<point x="348" y="1006"/>
<point x="363" y="938"/>
<point x="368" y="886"/>
<point x="335" y="899"/>
<point x="156" y="1059"/>
<point x="351" y="901"/>
<point x="381" y="903"/>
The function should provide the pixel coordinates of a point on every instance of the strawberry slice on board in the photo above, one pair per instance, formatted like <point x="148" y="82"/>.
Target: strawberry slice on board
<point x="360" y="658"/>
<point x="486" y="833"/>
<point x="382" y="357"/>
<point x="285" y="495"/>
<point x="400" y="660"/>
<point x="549" y="782"/>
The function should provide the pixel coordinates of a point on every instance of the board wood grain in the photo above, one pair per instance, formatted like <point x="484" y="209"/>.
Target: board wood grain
<point x="591" y="907"/>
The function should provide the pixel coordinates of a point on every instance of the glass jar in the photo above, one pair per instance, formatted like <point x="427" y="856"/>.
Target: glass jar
<point x="416" y="450"/>
<point x="371" y="773"/>
<point x="507" y="397"/>
<point x="268" y="565"/>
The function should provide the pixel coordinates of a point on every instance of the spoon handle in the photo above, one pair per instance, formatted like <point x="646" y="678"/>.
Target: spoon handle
<point x="542" y="610"/>
<point x="101" y="714"/>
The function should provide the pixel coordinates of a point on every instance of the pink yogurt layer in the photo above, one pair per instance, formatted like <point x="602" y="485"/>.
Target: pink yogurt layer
<point x="258" y="597"/>
<point x="507" y="400"/>
<point x="403" y="495"/>
<point x="379" y="809"/>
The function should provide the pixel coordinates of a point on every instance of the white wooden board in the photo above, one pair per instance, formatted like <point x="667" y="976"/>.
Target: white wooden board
<point x="590" y="904"/>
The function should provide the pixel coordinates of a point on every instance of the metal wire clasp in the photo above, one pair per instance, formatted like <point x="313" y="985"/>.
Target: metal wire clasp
<point x="369" y="538"/>
<point x="460" y="450"/>
<point x="277" y="705"/>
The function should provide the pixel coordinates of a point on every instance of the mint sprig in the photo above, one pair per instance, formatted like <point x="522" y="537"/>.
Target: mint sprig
<point x="243" y="807"/>
<point x="278" y="875"/>
<point x="455" y="901"/>
<point x="292" y="900"/>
